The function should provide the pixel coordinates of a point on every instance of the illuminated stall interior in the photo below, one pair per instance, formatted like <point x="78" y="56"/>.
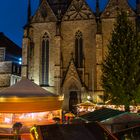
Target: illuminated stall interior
<point x="86" y="106"/>
<point x="29" y="104"/>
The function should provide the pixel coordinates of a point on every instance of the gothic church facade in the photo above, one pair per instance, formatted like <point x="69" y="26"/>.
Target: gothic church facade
<point x="64" y="44"/>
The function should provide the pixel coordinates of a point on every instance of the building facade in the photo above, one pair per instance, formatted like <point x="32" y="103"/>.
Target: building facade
<point x="64" y="44"/>
<point x="10" y="59"/>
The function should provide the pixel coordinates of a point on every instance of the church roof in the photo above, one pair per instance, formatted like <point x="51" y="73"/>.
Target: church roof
<point x="25" y="88"/>
<point x="59" y="5"/>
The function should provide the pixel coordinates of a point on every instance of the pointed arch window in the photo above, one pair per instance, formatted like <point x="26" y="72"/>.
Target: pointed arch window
<point x="45" y="60"/>
<point x="79" y="49"/>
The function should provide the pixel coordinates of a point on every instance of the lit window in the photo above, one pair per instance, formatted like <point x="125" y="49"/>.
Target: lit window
<point x="20" y="61"/>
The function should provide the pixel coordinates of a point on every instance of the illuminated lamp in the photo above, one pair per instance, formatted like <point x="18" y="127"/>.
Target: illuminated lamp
<point x="20" y="61"/>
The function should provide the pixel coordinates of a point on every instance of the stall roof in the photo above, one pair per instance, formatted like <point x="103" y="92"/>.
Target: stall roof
<point x="134" y="131"/>
<point x="101" y="114"/>
<point x="125" y="117"/>
<point x="25" y="88"/>
<point x="86" y="131"/>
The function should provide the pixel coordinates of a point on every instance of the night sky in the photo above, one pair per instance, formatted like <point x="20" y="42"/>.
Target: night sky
<point x="13" y="15"/>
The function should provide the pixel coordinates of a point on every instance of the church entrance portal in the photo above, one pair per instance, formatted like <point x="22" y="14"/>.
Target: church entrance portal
<point x="73" y="100"/>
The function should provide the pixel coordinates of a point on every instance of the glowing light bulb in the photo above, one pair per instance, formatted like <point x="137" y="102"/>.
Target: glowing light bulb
<point x="88" y="97"/>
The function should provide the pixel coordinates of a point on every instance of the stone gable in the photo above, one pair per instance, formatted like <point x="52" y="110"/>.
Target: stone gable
<point x="44" y="13"/>
<point x="71" y="72"/>
<point x="114" y="6"/>
<point x="78" y="10"/>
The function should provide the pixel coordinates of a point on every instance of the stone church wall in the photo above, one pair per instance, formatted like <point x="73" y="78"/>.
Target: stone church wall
<point x="38" y="31"/>
<point x="88" y="29"/>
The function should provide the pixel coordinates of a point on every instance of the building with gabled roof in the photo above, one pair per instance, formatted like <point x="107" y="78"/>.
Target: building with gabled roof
<point x="10" y="62"/>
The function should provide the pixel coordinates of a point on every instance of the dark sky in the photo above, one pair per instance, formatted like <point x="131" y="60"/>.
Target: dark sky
<point x="13" y="15"/>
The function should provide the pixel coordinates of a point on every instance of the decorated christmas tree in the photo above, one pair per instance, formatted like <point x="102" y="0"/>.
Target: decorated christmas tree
<point x="121" y="67"/>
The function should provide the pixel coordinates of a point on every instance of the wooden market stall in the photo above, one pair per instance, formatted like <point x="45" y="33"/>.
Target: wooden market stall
<point x="29" y="104"/>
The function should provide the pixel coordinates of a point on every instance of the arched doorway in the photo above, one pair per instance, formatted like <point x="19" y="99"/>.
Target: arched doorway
<point x="73" y="100"/>
<point x="72" y="94"/>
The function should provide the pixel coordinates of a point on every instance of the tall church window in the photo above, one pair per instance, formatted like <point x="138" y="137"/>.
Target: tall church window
<point x="45" y="60"/>
<point x="79" y="49"/>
